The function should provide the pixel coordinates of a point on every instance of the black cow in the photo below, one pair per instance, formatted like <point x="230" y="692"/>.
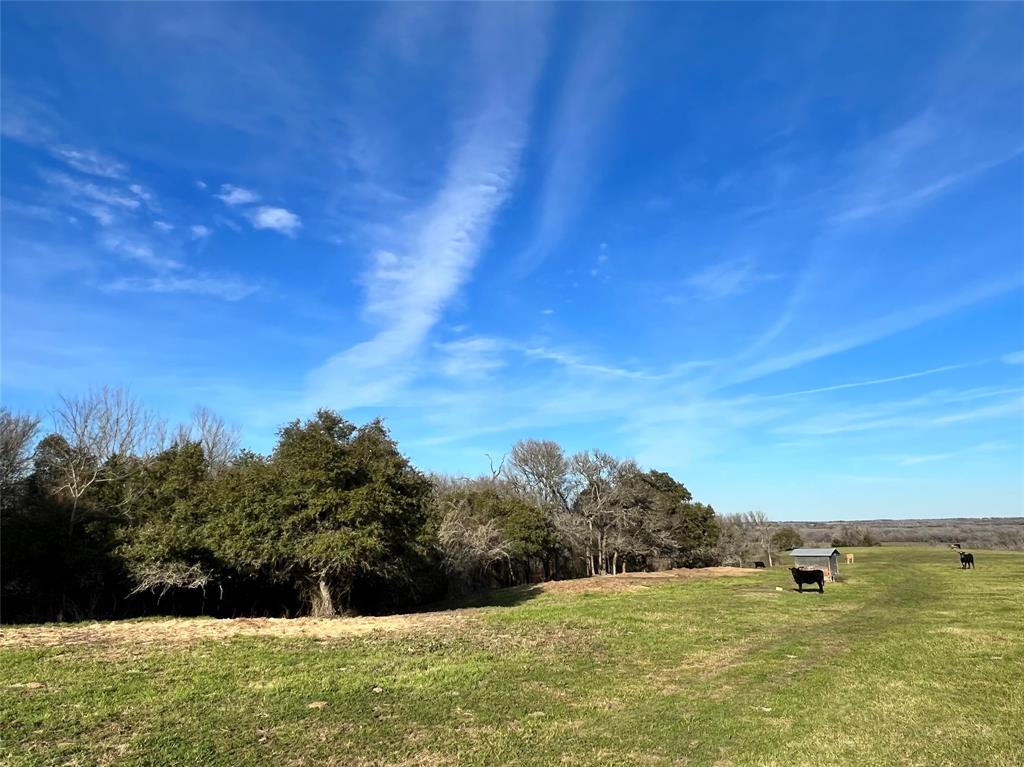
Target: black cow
<point x="809" y="577"/>
<point x="966" y="560"/>
<point x="758" y="564"/>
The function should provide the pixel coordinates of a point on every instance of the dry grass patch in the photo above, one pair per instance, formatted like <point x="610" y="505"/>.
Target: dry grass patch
<point x="637" y="581"/>
<point x="186" y="631"/>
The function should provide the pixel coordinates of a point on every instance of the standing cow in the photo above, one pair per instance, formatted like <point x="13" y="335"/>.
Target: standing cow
<point x="966" y="560"/>
<point x="809" y="577"/>
<point x="849" y="559"/>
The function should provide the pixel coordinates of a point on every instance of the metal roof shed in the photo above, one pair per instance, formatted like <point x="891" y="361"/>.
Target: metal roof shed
<point x="826" y="560"/>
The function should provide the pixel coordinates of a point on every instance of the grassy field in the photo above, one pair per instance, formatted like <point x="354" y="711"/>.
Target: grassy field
<point x="909" y="661"/>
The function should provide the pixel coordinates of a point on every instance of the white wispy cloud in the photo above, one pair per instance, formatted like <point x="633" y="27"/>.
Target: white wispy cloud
<point x="932" y="410"/>
<point x="100" y="213"/>
<point x="895" y="189"/>
<point x="28" y="118"/>
<point x="11" y="207"/>
<point x="408" y="293"/>
<point x="226" y="222"/>
<point x="927" y="458"/>
<point x="1014" y="358"/>
<point x="1011" y="407"/>
<point x="137" y="250"/>
<point x="602" y="263"/>
<point x="728" y="278"/>
<point x="982" y="448"/>
<point x="928" y="155"/>
<point x="471" y="357"/>
<point x="99" y="185"/>
<point x="875" y="381"/>
<point x="168" y="275"/>
<point x="79" y="189"/>
<point x="578" y="363"/>
<point x="590" y="92"/>
<point x="277" y="219"/>
<point x="146" y="196"/>
<point x="408" y="287"/>
<point x="90" y="162"/>
<point x="227" y="288"/>
<point x="882" y="327"/>
<point x="234" y="195"/>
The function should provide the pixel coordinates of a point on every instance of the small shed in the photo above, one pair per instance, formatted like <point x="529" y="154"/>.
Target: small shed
<point x="826" y="560"/>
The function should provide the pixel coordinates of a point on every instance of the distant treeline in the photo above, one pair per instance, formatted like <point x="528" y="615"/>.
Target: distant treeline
<point x="110" y="513"/>
<point x="970" y="532"/>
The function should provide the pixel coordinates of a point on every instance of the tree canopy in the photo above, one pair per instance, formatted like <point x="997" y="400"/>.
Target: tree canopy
<point x="113" y="514"/>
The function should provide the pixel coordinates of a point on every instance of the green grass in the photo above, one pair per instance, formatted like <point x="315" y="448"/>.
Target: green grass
<point x="909" y="661"/>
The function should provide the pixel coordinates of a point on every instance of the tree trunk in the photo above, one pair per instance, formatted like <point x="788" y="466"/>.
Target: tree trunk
<point x="321" y="601"/>
<point x="72" y="518"/>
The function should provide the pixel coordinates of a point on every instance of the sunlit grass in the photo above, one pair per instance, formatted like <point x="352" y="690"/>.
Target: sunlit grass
<point x="909" y="661"/>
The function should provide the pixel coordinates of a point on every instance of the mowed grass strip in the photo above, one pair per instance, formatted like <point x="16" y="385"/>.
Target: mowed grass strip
<point x="909" y="661"/>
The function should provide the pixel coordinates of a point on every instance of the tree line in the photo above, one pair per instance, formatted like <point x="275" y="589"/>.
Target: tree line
<point x="113" y="514"/>
<point x="970" y="532"/>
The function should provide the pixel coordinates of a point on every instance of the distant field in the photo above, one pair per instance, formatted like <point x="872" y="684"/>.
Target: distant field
<point x="972" y="532"/>
<point x="909" y="661"/>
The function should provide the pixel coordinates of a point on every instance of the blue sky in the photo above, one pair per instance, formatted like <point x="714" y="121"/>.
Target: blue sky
<point x="777" y="251"/>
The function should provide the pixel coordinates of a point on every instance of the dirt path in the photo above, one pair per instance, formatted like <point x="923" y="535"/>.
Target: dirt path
<point x="178" y="631"/>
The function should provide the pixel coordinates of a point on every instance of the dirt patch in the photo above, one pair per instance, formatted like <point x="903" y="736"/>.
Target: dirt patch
<point x="636" y="581"/>
<point x="184" y="631"/>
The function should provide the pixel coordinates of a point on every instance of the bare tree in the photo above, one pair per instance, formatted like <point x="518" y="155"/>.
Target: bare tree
<point x="470" y="546"/>
<point x="734" y="544"/>
<point x="759" y="529"/>
<point x="599" y="475"/>
<point x="161" y="577"/>
<point x="103" y="432"/>
<point x="496" y="474"/>
<point x="17" y="433"/>
<point x="643" y="525"/>
<point x="593" y="502"/>
<point x="538" y="469"/>
<point x="219" y="441"/>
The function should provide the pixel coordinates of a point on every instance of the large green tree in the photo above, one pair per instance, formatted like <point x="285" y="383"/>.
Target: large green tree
<point x="166" y="542"/>
<point x="690" y="526"/>
<point x="332" y="502"/>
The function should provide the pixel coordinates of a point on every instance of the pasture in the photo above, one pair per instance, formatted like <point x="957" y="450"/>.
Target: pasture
<point x="909" y="661"/>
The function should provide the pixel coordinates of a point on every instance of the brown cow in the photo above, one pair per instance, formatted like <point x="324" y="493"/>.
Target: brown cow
<point x="849" y="559"/>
